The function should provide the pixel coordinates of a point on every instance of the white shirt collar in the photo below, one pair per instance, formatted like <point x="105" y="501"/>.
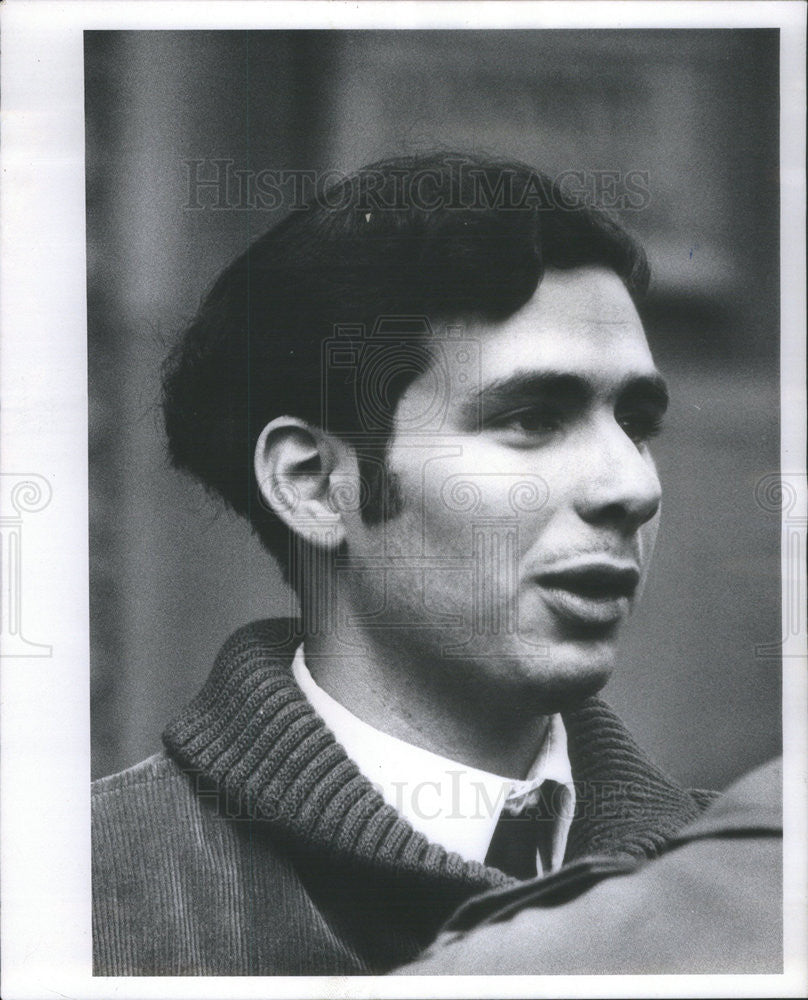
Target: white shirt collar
<point x="451" y="804"/>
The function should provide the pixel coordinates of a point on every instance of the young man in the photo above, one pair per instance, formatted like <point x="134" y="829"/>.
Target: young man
<point x="432" y="395"/>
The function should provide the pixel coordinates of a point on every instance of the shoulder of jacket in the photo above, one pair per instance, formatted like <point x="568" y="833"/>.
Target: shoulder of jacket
<point x="157" y="768"/>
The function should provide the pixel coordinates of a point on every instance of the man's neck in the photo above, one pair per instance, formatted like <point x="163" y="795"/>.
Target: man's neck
<point x="383" y="679"/>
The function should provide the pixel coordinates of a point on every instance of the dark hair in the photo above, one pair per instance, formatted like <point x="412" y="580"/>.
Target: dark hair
<point x="446" y="236"/>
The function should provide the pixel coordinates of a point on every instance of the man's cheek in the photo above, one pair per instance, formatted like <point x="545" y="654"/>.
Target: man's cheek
<point x="449" y="591"/>
<point x="445" y="527"/>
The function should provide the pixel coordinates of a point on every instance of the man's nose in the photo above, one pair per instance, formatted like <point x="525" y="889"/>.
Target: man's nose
<point x="618" y="485"/>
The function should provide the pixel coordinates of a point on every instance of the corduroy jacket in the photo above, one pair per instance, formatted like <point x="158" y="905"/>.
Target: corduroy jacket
<point x="252" y="845"/>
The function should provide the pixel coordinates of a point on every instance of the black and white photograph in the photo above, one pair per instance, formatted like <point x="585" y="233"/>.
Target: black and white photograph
<point x="433" y="547"/>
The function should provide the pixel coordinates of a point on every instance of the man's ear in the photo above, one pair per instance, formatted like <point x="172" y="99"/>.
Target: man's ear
<point x="295" y="465"/>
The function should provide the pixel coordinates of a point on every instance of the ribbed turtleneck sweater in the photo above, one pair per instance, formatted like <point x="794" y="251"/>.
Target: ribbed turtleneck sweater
<point x="252" y="845"/>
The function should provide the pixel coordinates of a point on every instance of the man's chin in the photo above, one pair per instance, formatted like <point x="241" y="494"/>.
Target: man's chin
<point x="562" y="694"/>
<point x="567" y="675"/>
<point x="540" y="674"/>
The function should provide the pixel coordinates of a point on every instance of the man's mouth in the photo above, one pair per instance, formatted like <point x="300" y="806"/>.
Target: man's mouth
<point x="593" y="595"/>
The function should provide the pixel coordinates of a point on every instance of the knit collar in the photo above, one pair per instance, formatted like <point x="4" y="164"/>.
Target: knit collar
<point x="463" y="803"/>
<point x="253" y="735"/>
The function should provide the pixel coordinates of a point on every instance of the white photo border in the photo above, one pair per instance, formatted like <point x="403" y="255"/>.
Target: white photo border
<point x="45" y="860"/>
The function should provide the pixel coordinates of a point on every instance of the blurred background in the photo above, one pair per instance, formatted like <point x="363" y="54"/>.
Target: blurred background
<point x="695" y="112"/>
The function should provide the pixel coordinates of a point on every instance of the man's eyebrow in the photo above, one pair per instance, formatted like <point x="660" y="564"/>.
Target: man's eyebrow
<point x="524" y="388"/>
<point x="652" y="388"/>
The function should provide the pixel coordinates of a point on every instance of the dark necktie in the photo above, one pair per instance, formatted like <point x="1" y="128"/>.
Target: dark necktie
<point x="519" y="838"/>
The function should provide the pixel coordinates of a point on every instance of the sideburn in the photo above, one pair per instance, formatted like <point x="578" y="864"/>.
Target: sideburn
<point x="383" y="498"/>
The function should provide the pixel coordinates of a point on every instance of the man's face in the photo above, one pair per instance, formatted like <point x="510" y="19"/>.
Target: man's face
<point x="528" y="515"/>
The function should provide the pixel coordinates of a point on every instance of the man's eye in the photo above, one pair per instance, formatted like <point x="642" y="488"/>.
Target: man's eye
<point x="532" y="420"/>
<point x="640" y="425"/>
